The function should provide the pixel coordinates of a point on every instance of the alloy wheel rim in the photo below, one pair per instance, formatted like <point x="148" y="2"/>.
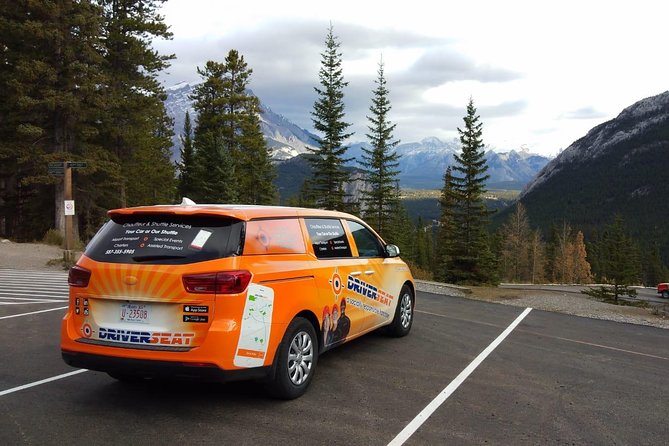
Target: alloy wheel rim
<point x="300" y="358"/>
<point x="405" y="311"/>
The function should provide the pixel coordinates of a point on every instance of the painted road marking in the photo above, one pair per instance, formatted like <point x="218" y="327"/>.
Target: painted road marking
<point x="44" y="381"/>
<point x="32" y="312"/>
<point x="560" y="338"/>
<point x="422" y="417"/>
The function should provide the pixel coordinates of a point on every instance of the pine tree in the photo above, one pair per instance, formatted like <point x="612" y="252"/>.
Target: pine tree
<point x="537" y="257"/>
<point x="446" y="232"/>
<point x="187" y="184"/>
<point x="233" y="160"/>
<point x="214" y="162"/>
<point x="329" y="174"/>
<point x="256" y="171"/>
<point x="472" y="260"/>
<point x="621" y="258"/>
<point x="135" y="125"/>
<point x="381" y="162"/>
<point x="49" y="100"/>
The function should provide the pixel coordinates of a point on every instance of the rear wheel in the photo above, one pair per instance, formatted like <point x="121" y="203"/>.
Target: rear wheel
<point x="403" y="319"/>
<point x="665" y="294"/>
<point x="296" y="361"/>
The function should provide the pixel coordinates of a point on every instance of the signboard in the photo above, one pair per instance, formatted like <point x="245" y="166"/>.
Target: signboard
<point x="69" y="207"/>
<point x="77" y="165"/>
<point x="56" y="169"/>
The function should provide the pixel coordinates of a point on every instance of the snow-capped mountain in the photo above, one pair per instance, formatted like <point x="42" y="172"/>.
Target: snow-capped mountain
<point x="634" y="125"/>
<point x="284" y="138"/>
<point x="422" y="163"/>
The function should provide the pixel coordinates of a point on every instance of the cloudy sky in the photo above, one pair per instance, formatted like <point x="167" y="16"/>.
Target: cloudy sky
<point x="541" y="73"/>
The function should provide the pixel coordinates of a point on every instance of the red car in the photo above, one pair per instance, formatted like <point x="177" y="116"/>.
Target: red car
<point x="663" y="289"/>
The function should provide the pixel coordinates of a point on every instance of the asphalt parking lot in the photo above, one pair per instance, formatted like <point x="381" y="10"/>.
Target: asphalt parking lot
<point x="555" y="379"/>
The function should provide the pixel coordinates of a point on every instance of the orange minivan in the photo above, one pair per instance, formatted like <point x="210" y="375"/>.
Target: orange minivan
<point x="230" y="292"/>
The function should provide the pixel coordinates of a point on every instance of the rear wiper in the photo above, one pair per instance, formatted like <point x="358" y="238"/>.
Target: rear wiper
<point x="156" y="257"/>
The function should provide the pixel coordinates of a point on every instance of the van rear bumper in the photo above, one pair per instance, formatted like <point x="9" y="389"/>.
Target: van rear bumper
<point x="160" y="369"/>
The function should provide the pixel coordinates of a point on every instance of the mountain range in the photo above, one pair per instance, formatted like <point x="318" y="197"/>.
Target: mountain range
<point x="422" y="164"/>
<point x="618" y="168"/>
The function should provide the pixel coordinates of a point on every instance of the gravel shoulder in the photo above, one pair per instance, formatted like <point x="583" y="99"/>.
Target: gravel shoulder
<point x="38" y="256"/>
<point x="556" y="301"/>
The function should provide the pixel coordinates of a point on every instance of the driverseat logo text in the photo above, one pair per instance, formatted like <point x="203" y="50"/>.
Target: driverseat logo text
<point x="145" y="337"/>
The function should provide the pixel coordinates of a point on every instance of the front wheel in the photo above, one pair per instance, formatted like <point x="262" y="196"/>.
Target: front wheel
<point x="401" y="324"/>
<point x="665" y="294"/>
<point x="296" y="361"/>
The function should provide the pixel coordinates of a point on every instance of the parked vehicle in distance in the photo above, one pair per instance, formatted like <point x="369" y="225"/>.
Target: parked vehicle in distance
<point x="663" y="289"/>
<point x="225" y="292"/>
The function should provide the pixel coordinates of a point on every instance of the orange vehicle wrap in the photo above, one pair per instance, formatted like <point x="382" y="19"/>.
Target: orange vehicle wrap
<point x="344" y="298"/>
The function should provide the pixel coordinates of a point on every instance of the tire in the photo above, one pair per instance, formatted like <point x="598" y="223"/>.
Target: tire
<point x="296" y="360"/>
<point x="665" y="294"/>
<point x="403" y="319"/>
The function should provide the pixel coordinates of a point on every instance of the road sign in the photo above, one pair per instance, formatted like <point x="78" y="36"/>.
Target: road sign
<point x="57" y="164"/>
<point x="56" y="171"/>
<point x="69" y="207"/>
<point x="77" y="164"/>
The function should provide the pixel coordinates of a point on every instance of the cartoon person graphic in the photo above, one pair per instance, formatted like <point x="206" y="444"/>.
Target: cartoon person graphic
<point x="334" y="320"/>
<point x="326" y="325"/>
<point x="343" y="324"/>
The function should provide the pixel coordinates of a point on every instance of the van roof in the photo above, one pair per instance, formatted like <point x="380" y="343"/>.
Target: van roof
<point x="239" y="211"/>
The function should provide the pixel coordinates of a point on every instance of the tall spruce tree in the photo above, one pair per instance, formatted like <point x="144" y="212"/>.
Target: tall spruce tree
<point x="136" y="128"/>
<point x="471" y="259"/>
<point x="446" y="234"/>
<point x="187" y="181"/>
<point x="381" y="162"/>
<point x="214" y="163"/>
<point x="231" y="152"/>
<point x="328" y="114"/>
<point x="49" y="100"/>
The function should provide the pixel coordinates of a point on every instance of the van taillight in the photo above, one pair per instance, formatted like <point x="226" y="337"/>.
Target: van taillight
<point x="224" y="282"/>
<point x="78" y="276"/>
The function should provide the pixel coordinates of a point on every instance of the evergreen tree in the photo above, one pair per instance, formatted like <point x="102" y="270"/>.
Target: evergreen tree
<point x="233" y="160"/>
<point x="381" y="162"/>
<point x="620" y="261"/>
<point x="621" y="258"/>
<point x="188" y="183"/>
<point x="256" y="171"/>
<point x="472" y="260"/>
<point x="328" y="118"/>
<point x="50" y="79"/>
<point x="446" y="231"/>
<point x="214" y="162"/>
<point x="135" y="126"/>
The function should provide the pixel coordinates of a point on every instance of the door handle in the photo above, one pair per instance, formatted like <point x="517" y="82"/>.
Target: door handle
<point x="355" y="273"/>
<point x="369" y="272"/>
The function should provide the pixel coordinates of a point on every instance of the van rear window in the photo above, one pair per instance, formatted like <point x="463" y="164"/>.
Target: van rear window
<point x="166" y="239"/>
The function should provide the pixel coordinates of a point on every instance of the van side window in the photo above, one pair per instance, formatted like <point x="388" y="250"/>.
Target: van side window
<point x="328" y="238"/>
<point x="280" y="236"/>
<point x="368" y="244"/>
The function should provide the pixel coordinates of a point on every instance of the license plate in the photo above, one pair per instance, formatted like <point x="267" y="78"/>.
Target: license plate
<point x="136" y="313"/>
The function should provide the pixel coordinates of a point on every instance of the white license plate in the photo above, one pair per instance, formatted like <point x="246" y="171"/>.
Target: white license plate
<point x="136" y="313"/>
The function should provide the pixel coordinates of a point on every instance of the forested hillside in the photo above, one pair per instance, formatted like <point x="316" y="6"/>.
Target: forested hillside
<point x="618" y="168"/>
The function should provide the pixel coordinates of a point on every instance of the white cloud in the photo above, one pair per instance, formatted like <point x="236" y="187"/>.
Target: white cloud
<point x="541" y="74"/>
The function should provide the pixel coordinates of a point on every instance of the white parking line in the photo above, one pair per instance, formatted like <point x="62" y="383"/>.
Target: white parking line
<point x="44" y="381"/>
<point x="422" y="417"/>
<point x="32" y="312"/>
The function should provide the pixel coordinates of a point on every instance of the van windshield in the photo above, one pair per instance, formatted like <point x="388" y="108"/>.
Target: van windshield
<point x="166" y="239"/>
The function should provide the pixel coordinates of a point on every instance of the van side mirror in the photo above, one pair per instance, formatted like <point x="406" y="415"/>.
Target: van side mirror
<point x="392" y="251"/>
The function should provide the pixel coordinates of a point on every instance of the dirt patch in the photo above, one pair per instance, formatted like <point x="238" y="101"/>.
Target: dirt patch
<point x="32" y="256"/>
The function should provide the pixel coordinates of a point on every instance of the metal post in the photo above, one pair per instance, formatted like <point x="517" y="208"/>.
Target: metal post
<point x="68" y="255"/>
